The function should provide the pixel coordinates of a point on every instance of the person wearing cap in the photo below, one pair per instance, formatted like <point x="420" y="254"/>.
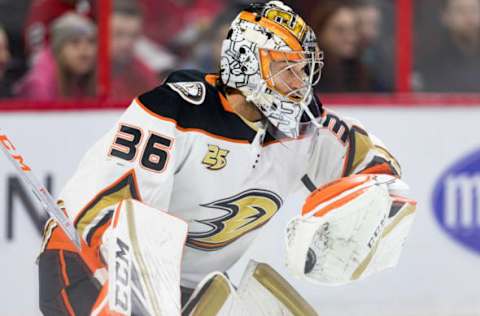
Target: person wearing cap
<point x="66" y="69"/>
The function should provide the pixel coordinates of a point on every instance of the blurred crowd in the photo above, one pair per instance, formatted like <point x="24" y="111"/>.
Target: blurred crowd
<point x="49" y="48"/>
<point x="448" y="58"/>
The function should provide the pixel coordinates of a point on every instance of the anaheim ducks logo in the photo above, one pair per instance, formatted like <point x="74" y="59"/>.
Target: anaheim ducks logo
<point x="245" y="212"/>
<point x="216" y="158"/>
<point x="193" y="92"/>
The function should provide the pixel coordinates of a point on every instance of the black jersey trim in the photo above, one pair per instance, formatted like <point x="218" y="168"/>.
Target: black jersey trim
<point x="183" y="129"/>
<point x="209" y="117"/>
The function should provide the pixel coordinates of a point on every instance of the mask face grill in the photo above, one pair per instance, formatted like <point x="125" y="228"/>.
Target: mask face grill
<point x="291" y="74"/>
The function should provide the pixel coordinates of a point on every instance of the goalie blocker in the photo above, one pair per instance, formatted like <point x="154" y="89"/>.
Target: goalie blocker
<point x="349" y="229"/>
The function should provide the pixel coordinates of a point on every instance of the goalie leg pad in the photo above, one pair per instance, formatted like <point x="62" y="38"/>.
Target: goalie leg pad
<point x="212" y="296"/>
<point x="144" y="248"/>
<point x="265" y="292"/>
<point x="262" y="292"/>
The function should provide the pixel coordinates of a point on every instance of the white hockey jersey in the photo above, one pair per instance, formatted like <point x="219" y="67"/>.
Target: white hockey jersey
<point x="180" y="148"/>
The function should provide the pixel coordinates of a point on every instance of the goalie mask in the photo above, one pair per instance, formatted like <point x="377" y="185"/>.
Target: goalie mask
<point x="272" y="57"/>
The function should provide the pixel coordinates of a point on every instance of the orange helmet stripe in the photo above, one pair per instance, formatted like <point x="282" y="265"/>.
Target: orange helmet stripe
<point x="279" y="30"/>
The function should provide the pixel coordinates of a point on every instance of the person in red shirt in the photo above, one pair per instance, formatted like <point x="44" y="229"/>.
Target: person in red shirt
<point x="166" y="19"/>
<point x="130" y="75"/>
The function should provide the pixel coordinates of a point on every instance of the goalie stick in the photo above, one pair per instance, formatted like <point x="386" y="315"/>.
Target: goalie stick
<point x="38" y="190"/>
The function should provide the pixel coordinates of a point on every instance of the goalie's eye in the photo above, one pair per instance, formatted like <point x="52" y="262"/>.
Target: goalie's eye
<point x="297" y="70"/>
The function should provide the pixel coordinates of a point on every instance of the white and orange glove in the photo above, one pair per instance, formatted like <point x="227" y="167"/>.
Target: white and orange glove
<point x="349" y="229"/>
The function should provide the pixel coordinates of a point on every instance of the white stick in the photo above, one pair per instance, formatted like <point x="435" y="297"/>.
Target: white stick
<point x="38" y="190"/>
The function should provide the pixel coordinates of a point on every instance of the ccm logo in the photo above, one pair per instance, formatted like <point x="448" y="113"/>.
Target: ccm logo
<point x="376" y="233"/>
<point x="122" y="276"/>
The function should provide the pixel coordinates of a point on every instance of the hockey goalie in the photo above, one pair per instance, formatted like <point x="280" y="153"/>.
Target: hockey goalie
<point x="173" y="194"/>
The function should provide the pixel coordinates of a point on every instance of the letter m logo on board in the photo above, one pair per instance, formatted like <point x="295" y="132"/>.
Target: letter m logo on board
<point x="462" y="203"/>
<point x="456" y="201"/>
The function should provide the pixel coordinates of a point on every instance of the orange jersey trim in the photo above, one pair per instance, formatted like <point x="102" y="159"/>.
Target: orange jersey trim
<point x="226" y="105"/>
<point x="212" y="79"/>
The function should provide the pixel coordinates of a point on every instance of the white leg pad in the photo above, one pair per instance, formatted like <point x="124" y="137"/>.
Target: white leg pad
<point x="262" y="292"/>
<point x="144" y="249"/>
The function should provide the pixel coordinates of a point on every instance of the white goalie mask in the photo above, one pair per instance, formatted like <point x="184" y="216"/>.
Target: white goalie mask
<point x="272" y="57"/>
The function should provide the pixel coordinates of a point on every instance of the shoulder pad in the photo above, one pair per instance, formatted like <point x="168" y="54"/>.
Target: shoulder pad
<point x="191" y="91"/>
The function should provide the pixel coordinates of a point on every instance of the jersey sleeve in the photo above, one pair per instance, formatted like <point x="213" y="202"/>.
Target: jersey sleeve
<point x="367" y="154"/>
<point x="345" y="148"/>
<point x="136" y="159"/>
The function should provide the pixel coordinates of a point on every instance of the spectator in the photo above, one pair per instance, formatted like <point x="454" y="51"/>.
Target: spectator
<point x="12" y="19"/>
<point x="167" y="20"/>
<point x="41" y="15"/>
<point x="453" y="65"/>
<point x="369" y="21"/>
<point x="335" y="23"/>
<point x="374" y="48"/>
<point x="68" y="69"/>
<point x="4" y="61"/>
<point x="206" y="54"/>
<point x="130" y="76"/>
